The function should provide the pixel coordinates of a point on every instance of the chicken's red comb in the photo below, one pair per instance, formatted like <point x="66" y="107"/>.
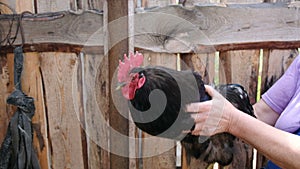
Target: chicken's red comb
<point x="134" y="60"/>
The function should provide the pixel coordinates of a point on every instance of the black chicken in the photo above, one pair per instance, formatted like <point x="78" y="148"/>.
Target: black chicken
<point x="157" y="98"/>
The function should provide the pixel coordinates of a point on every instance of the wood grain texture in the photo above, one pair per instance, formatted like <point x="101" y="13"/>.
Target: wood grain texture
<point x="18" y="5"/>
<point x="194" y="30"/>
<point x="53" y="6"/>
<point x="96" y="104"/>
<point x="22" y="6"/>
<point x="95" y="4"/>
<point x="156" y="3"/>
<point x="117" y="45"/>
<point x="5" y="10"/>
<point x="83" y="29"/>
<point x="64" y="134"/>
<point x="201" y="63"/>
<point x="32" y="85"/>
<point x="275" y="64"/>
<point x="201" y="29"/>
<point x="175" y="29"/>
<point x="6" y="88"/>
<point x="240" y="67"/>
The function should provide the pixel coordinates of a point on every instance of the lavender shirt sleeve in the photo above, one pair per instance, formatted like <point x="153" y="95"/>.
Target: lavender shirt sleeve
<point x="284" y="98"/>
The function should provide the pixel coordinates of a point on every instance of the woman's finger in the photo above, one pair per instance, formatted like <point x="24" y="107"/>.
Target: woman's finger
<point x="197" y="129"/>
<point x="199" y="107"/>
<point x="199" y="117"/>
<point x="210" y="90"/>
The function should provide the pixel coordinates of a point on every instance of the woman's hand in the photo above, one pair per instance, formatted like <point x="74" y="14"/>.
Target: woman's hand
<point x="213" y="116"/>
<point x="219" y="115"/>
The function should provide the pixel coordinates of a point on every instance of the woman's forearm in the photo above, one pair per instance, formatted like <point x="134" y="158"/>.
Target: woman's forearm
<point x="281" y="147"/>
<point x="265" y="113"/>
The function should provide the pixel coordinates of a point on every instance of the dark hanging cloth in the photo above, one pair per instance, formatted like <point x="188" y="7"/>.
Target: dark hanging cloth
<point x="17" y="151"/>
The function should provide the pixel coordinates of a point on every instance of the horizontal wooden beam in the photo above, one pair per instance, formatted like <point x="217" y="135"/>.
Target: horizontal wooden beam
<point x="171" y="29"/>
<point x="56" y="31"/>
<point x="56" y="47"/>
<point x="209" y="28"/>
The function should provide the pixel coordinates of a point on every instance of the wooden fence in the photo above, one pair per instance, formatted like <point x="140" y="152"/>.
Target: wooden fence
<point x="68" y="72"/>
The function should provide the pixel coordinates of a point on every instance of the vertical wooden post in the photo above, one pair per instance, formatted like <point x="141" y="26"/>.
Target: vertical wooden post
<point x="133" y="131"/>
<point x="117" y="12"/>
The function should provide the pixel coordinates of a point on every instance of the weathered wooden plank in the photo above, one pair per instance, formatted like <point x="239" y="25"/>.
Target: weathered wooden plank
<point x="158" y="3"/>
<point x="134" y="159"/>
<point x="4" y="9"/>
<point x="95" y="100"/>
<point x="18" y="5"/>
<point x="160" y="59"/>
<point x="32" y="85"/>
<point x="53" y="6"/>
<point x="64" y="133"/>
<point x="79" y="107"/>
<point x="117" y="45"/>
<point x="240" y="67"/>
<point x="58" y="28"/>
<point x="95" y="4"/>
<point x="165" y="155"/>
<point x="176" y="29"/>
<point x="275" y="64"/>
<point x="191" y="3"/>
<point x="22" y="6"/>
<point x="180" y="30"/>
<point x="103" y="102"/>
<point x="7" y="86"/>
<point x="202" y="63"/>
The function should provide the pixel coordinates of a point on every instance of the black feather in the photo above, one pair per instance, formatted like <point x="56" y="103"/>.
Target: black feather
<point x="158" y="108"/>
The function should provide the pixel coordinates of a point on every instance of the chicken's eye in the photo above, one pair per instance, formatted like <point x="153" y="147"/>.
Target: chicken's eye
<point x="141" y="75"/>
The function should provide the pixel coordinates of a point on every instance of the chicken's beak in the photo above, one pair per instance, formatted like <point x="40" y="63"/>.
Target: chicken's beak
<point x="120" y="85"/>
